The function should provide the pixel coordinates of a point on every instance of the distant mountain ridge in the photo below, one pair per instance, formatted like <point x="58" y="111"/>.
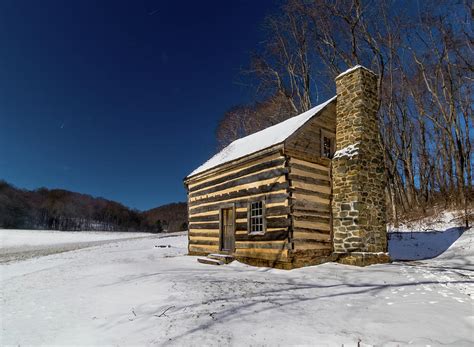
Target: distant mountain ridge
<point x="59" y="209"/>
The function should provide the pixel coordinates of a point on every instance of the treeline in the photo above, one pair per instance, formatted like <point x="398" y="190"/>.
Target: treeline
<point x="170" y="217"/>
<point x="57" y="209"/>
<point x="424" y="56"/>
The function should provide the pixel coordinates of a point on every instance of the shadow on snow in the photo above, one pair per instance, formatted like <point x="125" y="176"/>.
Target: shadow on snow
<point x="420" y="245"/>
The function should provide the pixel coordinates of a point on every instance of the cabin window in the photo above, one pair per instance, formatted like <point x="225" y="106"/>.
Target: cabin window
<point x="256" y="214"/>
<point x="327" y="144"/>
<point x="326" y="147"/>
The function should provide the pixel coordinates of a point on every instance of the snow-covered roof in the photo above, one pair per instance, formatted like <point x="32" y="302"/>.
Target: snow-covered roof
<point x="260" y="140"/>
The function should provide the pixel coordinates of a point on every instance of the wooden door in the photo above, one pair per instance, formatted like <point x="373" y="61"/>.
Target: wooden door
<point x="227" y="229"/>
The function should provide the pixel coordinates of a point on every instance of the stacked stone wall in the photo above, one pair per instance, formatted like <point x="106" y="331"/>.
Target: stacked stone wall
<point x="358" y="175"/>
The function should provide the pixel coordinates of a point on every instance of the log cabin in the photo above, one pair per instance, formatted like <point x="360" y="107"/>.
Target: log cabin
<point x="302" y="192"/>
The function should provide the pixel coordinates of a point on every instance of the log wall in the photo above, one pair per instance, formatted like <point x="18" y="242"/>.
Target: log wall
<point x="263" y="178"/>
<point x="306" y="142"/>
<point x="309" y="178"/>
<point x="295" y="183"/>
<point x="310" y="188"/>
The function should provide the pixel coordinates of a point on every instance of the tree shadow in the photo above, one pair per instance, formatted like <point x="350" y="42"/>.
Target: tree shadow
<point x="420" y="245"/>
<point x="287" y="294"/>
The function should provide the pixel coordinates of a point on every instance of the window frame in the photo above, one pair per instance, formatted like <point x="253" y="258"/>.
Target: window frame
<point x="332" y="137"/>
<point x="263" y="216"/>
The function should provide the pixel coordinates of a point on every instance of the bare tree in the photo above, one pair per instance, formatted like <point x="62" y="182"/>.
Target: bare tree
<point x="424" y="60"/>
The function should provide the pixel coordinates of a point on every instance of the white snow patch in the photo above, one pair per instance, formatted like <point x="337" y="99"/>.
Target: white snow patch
<point x="260" y="140"/>
<point x="348" y="151"/>
<point x="10" y="238"/>
<point x="352" y="69"/>
<point x="23" y="244"/>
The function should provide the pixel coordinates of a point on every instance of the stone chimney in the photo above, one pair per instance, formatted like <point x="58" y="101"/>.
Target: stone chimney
<point x="358" y="203"/>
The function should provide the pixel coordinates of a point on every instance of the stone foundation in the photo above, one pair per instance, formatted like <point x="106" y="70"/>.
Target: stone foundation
<point x="363" y="258"/>
<point x="301" y="260"/>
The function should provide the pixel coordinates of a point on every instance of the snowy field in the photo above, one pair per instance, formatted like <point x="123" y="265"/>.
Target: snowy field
<point x="146" y="291"/>
<point x="23" y="244"/>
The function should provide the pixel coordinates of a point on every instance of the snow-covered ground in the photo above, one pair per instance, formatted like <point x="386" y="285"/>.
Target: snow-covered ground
<point x="147" y="291"/>
<point x="425" y="238"/>
<point x="23" y="244"/>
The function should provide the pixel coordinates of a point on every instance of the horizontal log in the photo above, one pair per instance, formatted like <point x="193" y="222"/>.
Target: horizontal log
<point x="309" y="255"/>
<point x="262" y="245"/>
<point x="202" y="237"/>
<point x="204" y="242"/>
<point x="202" y="230"/>
<point x="233" y="169"/>
<point x="299" y="172"/>
<point x="310" y="230"/>
<point x="306" y="156"/>
<point x="204" y="226"/>
<point x="261" y="176"/>
<point x="316" y="219"/>
<point x="238" y="174"/>
<point x="309" y="169"/>
<point x="310" y="193"/>
<point x="273" y="235"/>
<point x="311" y="225"/>
<point x="209" y="218"/>
<point x="307" y="188"/>
<point x="241" y="193"/>
<point x="282" y="222"/>
<point x="310" y="180"/>
<point x="256" y="184"/>
<point x="311" y="245"/>
<point x="298" y="236"/>
<point x="207" y="213"/>
<point x="267" y="254"/>
<point x="204" y="234"/>
<point x="203" y="248"/>
<point x="270" y="211"/>
<point x="310" y="187"/>
<point x="305" y="205"/>
<point x="281" y="234"/>
<point x="323" y="167"/>
<point x="241" y="205"/>
<point x="269" y="198"/>
<point x="297" y="212"/>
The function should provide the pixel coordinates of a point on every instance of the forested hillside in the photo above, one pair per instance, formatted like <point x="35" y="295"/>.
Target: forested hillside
<point x="58" y="209"/>
<point x="171" y="217"/>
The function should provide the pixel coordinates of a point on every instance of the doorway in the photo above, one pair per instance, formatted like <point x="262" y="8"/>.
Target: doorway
<point x="227" y="223"/>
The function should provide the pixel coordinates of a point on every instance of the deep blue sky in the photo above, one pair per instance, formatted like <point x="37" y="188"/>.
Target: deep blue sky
<point x="118" y="99"/>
